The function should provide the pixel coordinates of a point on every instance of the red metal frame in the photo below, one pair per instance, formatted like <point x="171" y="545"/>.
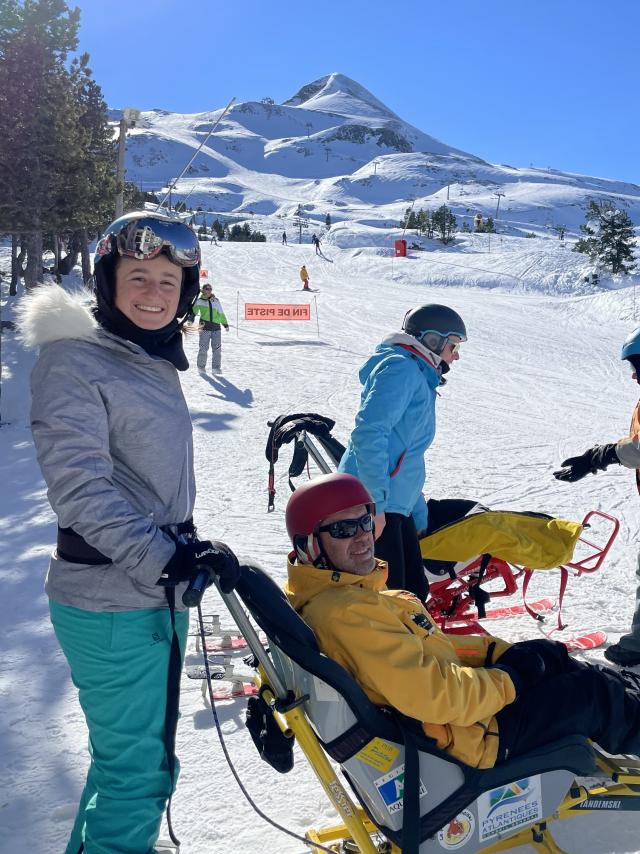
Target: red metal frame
<point x="450" y="601"/>
<point x="592" y="562"/>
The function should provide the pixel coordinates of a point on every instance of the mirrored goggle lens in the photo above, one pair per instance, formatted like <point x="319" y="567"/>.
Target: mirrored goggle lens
<point x="146" y="238"/>
<point x="346" y="528"/>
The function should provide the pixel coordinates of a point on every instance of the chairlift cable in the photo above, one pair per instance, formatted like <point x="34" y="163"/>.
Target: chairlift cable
<point x="173" y="183"/>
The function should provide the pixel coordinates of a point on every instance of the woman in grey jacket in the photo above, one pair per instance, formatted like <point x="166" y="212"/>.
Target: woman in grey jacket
<point x="113" y="438"/>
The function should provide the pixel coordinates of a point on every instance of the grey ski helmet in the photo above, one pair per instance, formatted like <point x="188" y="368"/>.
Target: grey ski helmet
<point x="144" y="235"/>
<point x="631" y="346"/>
<point x="433" y="324"/>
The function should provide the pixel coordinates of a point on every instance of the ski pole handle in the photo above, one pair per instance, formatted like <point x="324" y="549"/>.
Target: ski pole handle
<point x="192" y="596"/>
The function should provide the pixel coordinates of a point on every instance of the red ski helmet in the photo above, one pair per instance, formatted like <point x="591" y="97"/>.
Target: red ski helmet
<point x="314" y="501"/>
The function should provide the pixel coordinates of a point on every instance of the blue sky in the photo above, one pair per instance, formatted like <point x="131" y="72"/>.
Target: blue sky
<point x="545" y="83"/>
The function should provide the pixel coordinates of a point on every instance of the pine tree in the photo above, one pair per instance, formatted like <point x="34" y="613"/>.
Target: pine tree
<point x="37" y="118"/>
<point x="617" y="242"/>
<point x="423" y="221"/>
<point x="609" y="238"/>
<point x="444" y="222"/>
<point x="90" y="182"/>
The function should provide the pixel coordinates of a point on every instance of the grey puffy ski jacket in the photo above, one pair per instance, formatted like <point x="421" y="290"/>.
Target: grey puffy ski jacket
<point x="113" y="437"/>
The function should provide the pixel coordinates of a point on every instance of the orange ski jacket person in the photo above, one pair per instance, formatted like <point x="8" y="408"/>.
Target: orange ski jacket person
<point x="304" y="276"/>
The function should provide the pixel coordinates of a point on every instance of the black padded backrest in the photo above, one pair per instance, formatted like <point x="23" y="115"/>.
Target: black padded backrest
<point x="272" y="612"/>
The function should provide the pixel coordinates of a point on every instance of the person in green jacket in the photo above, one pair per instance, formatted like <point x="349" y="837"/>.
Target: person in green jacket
<point x="209" y="311"/>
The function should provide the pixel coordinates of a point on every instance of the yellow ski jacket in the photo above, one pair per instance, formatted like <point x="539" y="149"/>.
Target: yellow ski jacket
<point x="393" y="649"/>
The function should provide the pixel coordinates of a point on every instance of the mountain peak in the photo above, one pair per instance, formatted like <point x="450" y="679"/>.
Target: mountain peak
<point x="337" y="93"/>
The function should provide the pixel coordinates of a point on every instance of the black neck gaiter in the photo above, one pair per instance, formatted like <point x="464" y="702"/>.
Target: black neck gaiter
<point x="165" y="343"/>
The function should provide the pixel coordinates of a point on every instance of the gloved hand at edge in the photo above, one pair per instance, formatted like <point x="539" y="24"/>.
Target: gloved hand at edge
<point x="190" y="558"/>
<point x="591" y="461"/>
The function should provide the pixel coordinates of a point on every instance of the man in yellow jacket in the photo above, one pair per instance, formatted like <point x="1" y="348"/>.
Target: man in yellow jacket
<point x="479" y="698"/>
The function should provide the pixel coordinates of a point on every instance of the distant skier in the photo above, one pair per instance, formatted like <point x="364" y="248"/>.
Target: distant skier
<point x="209" y="310"/>
<point x="284" y="238"/>
<point x="626" y="452"/>
<point x="316" y="242"/>
<point x="304" y="275"/>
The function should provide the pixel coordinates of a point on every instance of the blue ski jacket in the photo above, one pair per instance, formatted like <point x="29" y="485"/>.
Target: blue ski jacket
<point x="395" y="425"/>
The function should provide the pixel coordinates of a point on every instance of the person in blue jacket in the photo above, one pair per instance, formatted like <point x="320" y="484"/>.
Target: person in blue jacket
<point x="395" y="425"/>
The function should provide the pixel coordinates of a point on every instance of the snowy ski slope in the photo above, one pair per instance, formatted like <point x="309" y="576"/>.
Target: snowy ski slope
<point x="539" y="379"/>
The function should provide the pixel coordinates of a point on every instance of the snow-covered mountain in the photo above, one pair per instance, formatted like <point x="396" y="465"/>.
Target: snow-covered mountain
<point x="334" y="148"/>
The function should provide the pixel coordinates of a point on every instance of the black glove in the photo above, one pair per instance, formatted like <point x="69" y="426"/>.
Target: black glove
<point x="523" y="664"/>
<point x="593" y="460"/>
<point x="191" y="558"/>
<point x="554" y="655"/>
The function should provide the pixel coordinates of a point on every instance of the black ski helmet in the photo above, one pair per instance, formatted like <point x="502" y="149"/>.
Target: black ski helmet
<point x="433" y="324"/>
<point x="144" y="235"/>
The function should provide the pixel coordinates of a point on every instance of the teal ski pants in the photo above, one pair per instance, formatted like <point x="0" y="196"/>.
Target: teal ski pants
<point x="119" y="663"/>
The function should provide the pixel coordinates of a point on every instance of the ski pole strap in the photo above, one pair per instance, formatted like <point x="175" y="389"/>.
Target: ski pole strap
<point x="525" y="584"/>
<point x="564" y="577"/>
<point x="271" y="490"/>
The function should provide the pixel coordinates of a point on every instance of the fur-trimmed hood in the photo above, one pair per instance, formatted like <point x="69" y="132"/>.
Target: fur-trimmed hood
<point x="50" y="313"/>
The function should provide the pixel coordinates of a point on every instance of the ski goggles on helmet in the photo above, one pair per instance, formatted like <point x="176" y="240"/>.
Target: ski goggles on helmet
<point x="437" y="341"/>
<point x="145" y="238"/>
<point x="346" y="528"/>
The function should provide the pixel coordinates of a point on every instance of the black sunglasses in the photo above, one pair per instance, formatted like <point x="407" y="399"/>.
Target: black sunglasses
<point x="346" y="528"/>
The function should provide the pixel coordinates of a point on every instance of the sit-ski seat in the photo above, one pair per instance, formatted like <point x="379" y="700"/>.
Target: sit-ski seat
<point x="456" y="806"/>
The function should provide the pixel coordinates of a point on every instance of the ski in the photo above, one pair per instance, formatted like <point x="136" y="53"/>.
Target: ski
<point x="238" y="687"/>
<point x="308" y="290"/>
<point x="590" y="640"/>
<point x="540" y="606"/>
<point x="228" y="643"/>
<point x="199" y="671"/>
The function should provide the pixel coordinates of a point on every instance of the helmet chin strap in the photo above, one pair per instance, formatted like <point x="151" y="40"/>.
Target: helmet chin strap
<point x="311" y="552"/>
